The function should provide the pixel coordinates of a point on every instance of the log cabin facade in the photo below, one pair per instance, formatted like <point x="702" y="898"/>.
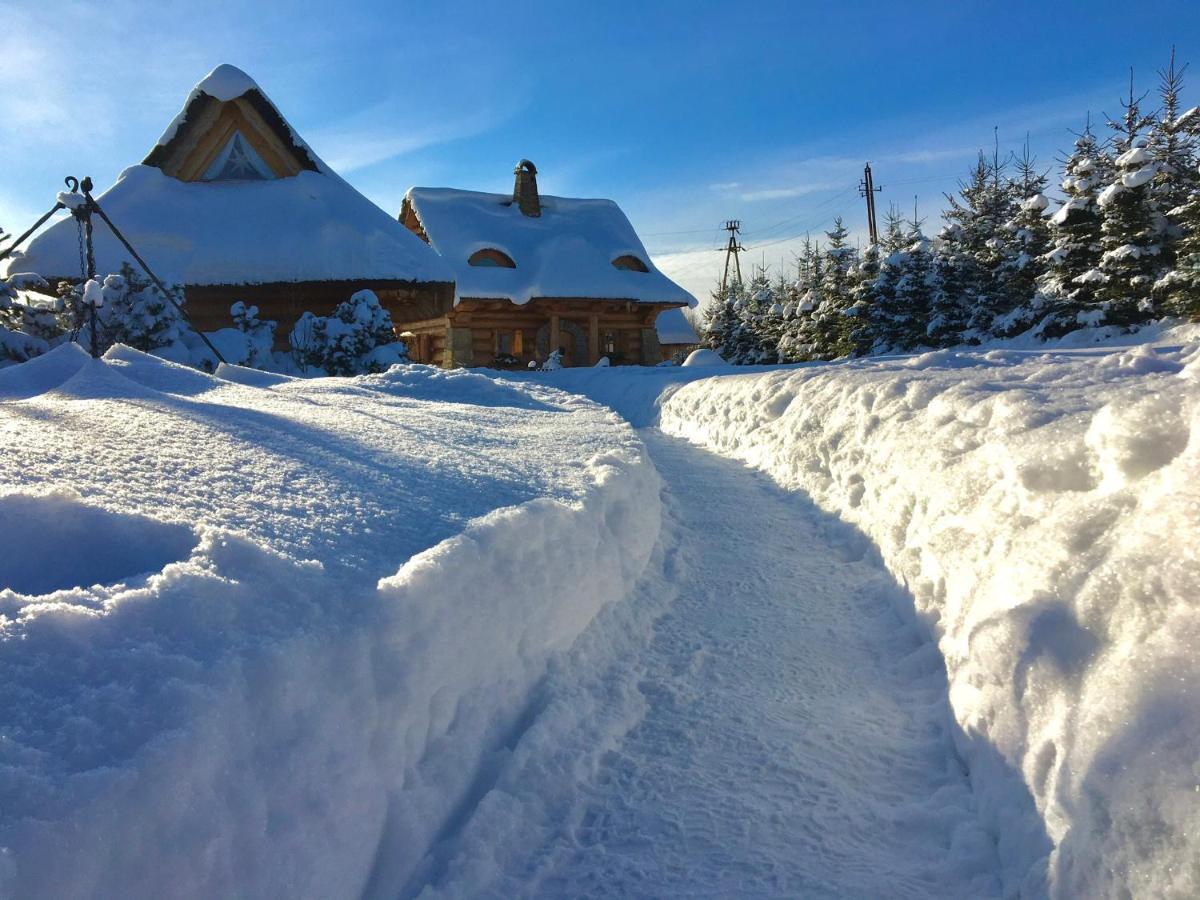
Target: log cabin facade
<point x="232" y="205"/>
<point x="534" y="274"/>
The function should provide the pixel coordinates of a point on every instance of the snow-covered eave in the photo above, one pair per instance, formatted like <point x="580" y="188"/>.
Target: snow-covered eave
<point x="666" y="304"/>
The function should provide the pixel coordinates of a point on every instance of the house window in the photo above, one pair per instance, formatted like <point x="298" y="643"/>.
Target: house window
<point x="610" y="343"/>
<point x="630" y="264"/>
<point x="509" y="343"/>
<point x="491" y="258"/>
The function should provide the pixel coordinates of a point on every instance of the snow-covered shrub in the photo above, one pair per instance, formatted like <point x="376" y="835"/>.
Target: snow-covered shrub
<point x="135" y="313"/>
<point x="357" y="339"/>
<point x="30" y="322"/>
<point x="553" y="362"/>
<point x="249" y="341"/>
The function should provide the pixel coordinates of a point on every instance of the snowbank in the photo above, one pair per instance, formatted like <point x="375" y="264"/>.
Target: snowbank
<point x="335" y="599"/>
<point x="1043" y="508"/>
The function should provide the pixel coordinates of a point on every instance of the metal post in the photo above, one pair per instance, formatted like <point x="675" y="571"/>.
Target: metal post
<point x="91" y="259"/>
<point x="867" y="189"/>
<point x="732" y="248"/>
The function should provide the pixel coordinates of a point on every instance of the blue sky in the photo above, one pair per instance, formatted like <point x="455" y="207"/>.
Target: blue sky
<point x="685" y="113"/>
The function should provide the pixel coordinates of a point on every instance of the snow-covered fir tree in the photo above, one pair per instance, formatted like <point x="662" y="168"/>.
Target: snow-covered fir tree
<point x="1130" y="239"/>
<point x="974" y="233"/>
<point x="864" y="292"/>
<point x="1068" y="287"/>
<point x="1178" y="292"/>
<point x="720" y="321"/>
<point x="358" y="338"/>
<point x="834" y="320"/>
<point x="1027" y="241"/>
<point x="1172" y="142"/>
<point x="135" y="313"/>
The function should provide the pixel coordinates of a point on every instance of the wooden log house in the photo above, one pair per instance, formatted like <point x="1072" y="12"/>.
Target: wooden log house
<point x="537" y="273"/>
<point x="232" y="205"/>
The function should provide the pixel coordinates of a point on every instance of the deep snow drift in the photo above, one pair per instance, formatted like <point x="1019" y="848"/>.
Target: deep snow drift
<point x="1043" y="509"/>
<point x="289" y="622"/>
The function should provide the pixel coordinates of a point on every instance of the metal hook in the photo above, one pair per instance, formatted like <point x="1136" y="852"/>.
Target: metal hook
<point x="72" y="182"/>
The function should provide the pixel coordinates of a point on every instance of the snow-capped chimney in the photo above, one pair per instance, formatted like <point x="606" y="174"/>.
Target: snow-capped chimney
<point x="525" y="193"/>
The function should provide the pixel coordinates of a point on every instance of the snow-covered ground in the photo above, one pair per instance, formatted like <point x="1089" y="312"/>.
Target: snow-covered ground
<point x="421" y="634"/>
<point x="1042" y="510"/>
<point x="756" y="721"/>
<point x="260" y="635"/>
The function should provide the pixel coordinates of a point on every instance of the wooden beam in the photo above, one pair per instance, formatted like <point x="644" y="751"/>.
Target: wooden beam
<point x="593" y="340"/>
<point x="555" y="338"/>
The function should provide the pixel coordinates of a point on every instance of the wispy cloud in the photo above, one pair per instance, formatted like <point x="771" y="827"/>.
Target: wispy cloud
<point x="386" y="133"/>
<point x="798" y="190"/>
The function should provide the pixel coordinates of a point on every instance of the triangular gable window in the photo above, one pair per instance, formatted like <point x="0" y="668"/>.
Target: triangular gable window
<point x="238" y="161"/>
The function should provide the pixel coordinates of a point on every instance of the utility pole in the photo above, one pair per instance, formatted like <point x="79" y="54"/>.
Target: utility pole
<point x="732" y="247"/>
<point x="867" y="188"/>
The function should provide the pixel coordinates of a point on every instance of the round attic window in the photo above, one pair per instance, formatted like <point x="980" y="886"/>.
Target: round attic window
<point x="630" y="264"/>
<point x="492" y="259"/>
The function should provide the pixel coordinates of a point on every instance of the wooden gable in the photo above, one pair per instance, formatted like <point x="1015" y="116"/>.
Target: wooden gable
<point x="208" y="126"/>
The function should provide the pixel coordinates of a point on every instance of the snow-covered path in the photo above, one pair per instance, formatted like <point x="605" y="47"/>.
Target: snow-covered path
<point x="794" y="731"/>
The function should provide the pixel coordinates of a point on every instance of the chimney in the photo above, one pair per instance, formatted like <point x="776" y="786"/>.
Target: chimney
<point x="525" y="193"/>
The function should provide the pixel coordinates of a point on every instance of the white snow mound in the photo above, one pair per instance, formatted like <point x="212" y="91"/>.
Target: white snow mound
<point x="1044" y="511"/>
<point x="272" y="639"/>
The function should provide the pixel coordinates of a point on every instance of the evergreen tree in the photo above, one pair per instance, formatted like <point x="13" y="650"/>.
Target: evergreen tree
<point x="1068" y="286"/>
<point x="864" y="292"/>
<point x="720" y="320"/>
<point x="1172" y="143"/>
<point x="975" y="221"/>
<point x="357" y="339"/>
<point x="833" y="318"/>
<point x="1130" y="240"/>
<point x="949" y="310"/>
<point x="1178" y="292"/>
<point x="135" y="313"/>
<point x="906" y="283"/>
<point x="1027" y="241"/>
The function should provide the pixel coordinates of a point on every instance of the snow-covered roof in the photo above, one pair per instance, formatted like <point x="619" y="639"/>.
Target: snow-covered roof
<point x="307" y="226"/>
<point x="567" y="251"/>
<point x="674" y="328"/>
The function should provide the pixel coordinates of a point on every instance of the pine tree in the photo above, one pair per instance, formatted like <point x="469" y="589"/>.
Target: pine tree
<point x="1131" y="229"/>
<point x="864" y="292"/>
<point x="358" y="338"/>
<point x="1172" y="143"/>
<point x="135" y="313"/>
<point x="720" y="320"/>
<point x="975" y="221"/>
<point x="906" y="282"/>
<point x="833" y="319"/>
<point x="1068" y="287"/>
<point x="949" y="310"/>
<point x="1027" y="240"/>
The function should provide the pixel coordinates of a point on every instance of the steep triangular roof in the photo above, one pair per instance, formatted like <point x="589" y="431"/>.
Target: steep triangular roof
<point x="231" y="195"/>
<point x="228" y="103"/>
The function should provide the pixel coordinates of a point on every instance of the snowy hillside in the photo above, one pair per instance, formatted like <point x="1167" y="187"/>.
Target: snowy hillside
<point x="1042" y="509"/>
<point x="267" y="633"/>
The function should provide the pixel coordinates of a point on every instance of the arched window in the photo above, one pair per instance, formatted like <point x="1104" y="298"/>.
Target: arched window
<point x="491" y="258"/>
<point x="630" y="264"/>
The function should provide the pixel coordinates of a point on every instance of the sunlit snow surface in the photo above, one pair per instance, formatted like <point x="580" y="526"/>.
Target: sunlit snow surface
<point x="293" y="614"/>
<point x="1042" y="508"/>
<point x="943" y="645"/>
